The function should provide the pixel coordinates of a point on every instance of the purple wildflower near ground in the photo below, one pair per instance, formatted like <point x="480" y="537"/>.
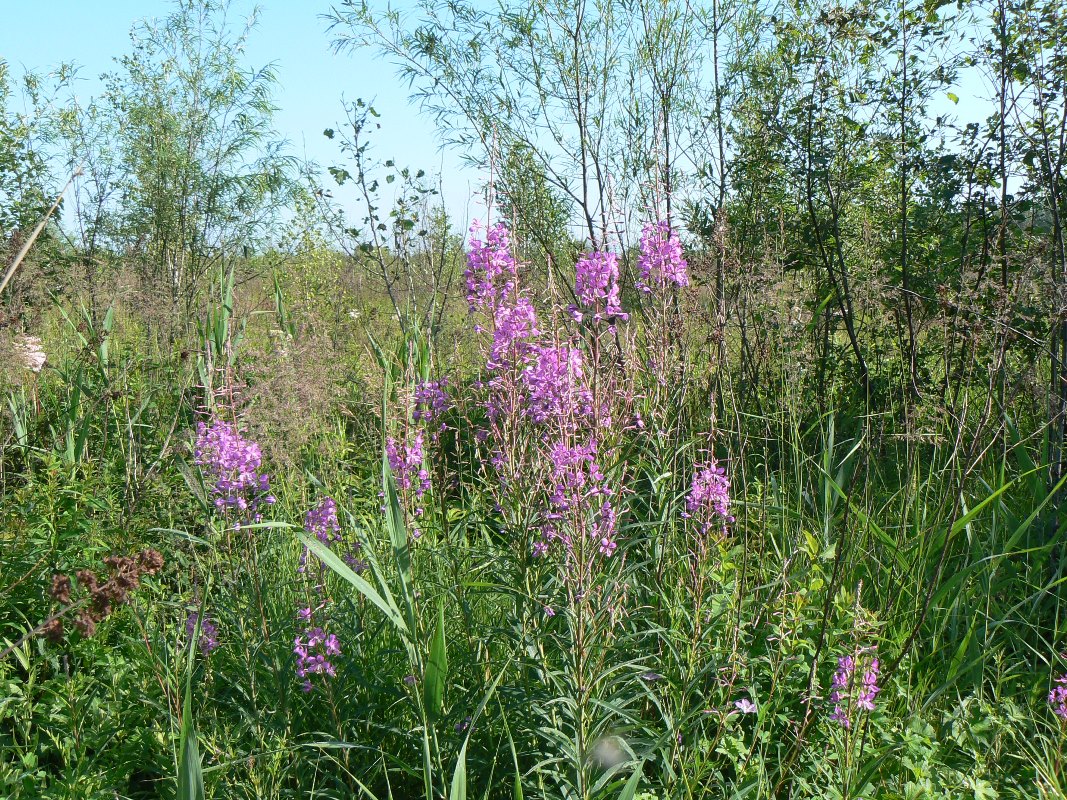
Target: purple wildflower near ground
<point x="405" y="460"/>
<point x="208" y="640"/>
<point x="232" y="463"/>
<point x="850" y="693"/>
<point x="596" y="284"/>
<point x="314" y="648"/>
<point x="1057" y="698"/>
<point x="661" y="261"/>
<point x="431" y="400"/>
<point x="745" y="706"/>
<point x="708" y="503"/>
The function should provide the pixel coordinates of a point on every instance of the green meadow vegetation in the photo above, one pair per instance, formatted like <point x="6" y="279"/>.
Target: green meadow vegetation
<point x="722" y="455"/>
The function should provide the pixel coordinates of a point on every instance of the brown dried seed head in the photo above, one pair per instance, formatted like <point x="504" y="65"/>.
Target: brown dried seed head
<point x="87" y="579"/>
<point x="85" y="624"/>
<point x="102" y="602"/>
<point x="53" y="630"/>
<point x="150" y="561"/>
<point x="127" y="581"/>
<point x="119" y="565"/>
<point x="61" y="587"/>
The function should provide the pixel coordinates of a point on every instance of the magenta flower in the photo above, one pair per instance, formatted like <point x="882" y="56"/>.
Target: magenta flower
<point x="406" y="462"/>
<point x="1057" y="698"/>
<point x="431" y="400"/>
<point x="708" y="503"/>
<point x="745" y="706"/>
<point x="596" y="284"/>
<point x="491" y="269"/>
<point x="322" y="521"/>
<point x="555" y="385"/>
<point x="208" y="640"/>
<point x="850" y="694"/>
<point x="661" y="261"/>
<point x="515" y="326"/>
<point x="313" y="648"/>
<point x="232" y="463"/>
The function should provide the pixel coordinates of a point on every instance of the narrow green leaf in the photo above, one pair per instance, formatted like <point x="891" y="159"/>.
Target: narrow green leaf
<point x="630" y="789"/>
<point x="459" y="776"/>
<point x="330" y="559"/>
<point x="190" y="770"/>
<point x="437" y="668"/>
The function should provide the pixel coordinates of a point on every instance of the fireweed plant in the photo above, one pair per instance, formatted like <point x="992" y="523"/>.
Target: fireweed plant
<point x="558" y="399"/>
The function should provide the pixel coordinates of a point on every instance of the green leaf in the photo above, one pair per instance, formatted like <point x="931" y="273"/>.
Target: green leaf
<point x="436" y="669"/>
<point x="953" y="97"/>
<point x="630" y="789"/>
<point x="190" y="770"/>
<point x="331" y="559"/>
<point x="459" y="776"/>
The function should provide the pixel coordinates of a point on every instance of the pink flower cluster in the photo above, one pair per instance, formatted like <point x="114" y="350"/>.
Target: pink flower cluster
<point x="1057" y="698"/>
<point x="596" y="284"/>
<point x="431" y="400"/>
<point x="577" y="484"/>
<point x="555" y="385"/>
<point x="545" y="383"/>
<point x="850" y="694"/>
<point x="208" y="640"/>
<point x="514" y="329"/>
<point x="406" y="462"/>
<point x="661" y="262"/>
<point x="491" y="269"/>
<point x="708" y="504"/>
<point x="232" y="463"/>
<point x="322" y="522"/>
<point x="314" y="648"/>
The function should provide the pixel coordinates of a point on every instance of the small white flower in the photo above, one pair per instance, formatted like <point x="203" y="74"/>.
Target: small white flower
<point x="32" y="353"/>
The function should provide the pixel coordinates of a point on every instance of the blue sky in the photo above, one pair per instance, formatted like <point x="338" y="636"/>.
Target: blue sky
<point x="312" y="78"/>
<point x="290" y="33"/>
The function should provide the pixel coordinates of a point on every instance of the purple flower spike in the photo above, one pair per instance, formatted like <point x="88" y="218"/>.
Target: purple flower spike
<point x="1057" y="698"/>
<point x="322" y="521"/>
<point x="313" y="647"/>
<point x="596" y="284"/>
<point x="850" y="694"/>
<point x="661" y="262"/>
<point x="708" y="503"/>
<point x="405" y="460"/>
<point x="431" y="400"/>
<point x="208" y="640"/>
<point x="555" y="385"/>
<point x="232" y="463"/>
<point x="491" y="269"/>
